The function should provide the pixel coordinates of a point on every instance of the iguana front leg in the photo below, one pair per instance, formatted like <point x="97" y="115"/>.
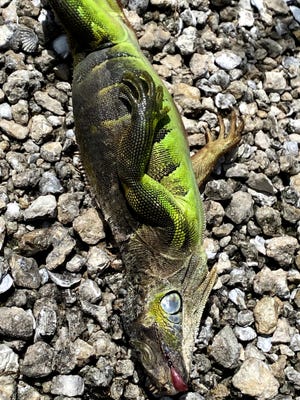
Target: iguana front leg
<point x="205" y="159"/>
<point x="151" y="201"/>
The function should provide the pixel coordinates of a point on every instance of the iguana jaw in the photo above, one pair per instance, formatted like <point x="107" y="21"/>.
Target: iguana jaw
<point x="166" y="372"/>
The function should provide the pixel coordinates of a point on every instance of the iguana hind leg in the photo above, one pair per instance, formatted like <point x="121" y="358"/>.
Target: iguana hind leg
<point x="205" y="159"/>
<point x="151" y="201"/>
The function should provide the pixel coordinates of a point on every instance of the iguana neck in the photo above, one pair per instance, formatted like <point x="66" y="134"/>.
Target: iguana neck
<point x="99" y="24"/>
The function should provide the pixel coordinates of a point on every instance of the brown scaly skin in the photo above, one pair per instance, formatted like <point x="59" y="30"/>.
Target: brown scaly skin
<point x="135" y="155"/>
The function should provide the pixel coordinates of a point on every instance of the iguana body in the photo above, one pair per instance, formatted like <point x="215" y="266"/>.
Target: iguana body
<point x="135" y="155"/>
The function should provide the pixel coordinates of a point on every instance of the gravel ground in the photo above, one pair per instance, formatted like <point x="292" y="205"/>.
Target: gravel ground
<point x="61" y="280"/>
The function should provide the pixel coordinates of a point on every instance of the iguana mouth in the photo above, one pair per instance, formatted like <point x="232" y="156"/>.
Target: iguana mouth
<point x="178" y="381"/>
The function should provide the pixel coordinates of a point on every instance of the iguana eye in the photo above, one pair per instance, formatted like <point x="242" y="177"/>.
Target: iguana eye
<point x="171" y="303"/>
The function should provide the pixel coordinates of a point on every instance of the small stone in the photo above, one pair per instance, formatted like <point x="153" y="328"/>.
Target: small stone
<point x="83" y="352"/>
<point x="9" y="361"/>
<point x="187" y="97"/>
<point x="27" y="392"/>
<point x="25" y="271"/>
<point x="240" y="208"/>
<point x="125" y="368"/>
<point x="67" y="385"/>
<point x="274" y="81"/>
<point x="200" y="64"/>
<point x="245" y="318"/>
<point x="282" y="249"/>
<point x="264" y="343"/>
<point x="154" y="37"/>
<point x="68" y="207"/>
<point x="132" y="391"/>
<point x="227" y="60"/>
<point x="7" y="383"/>
<point x="237" y="296"/>
<point x="40" y="128"/>
<point x="76" y="263"/>
<point x="97" y="261"/>
<point x="262" y="140"/>
<point x="51" y="151"/>
<point x="225" y="348"/>
<point x="282" y="332"/>
<point x="218" y="190"/>
<point x="37" y="361"/>
<point x="271" y="282"/>
<point x="269" y="220"/>
<point x="43" y="206"/>
<point x="261" y="183"/>
<point x="46" y="323"/>
<point x="225" y="101"/>
<point x="5" y="111"/>
<point x="266" y="313"/>
<point x="187" y="41"/>
<point x="89" y="291"/>
<point x="254" y="378"/>
<point x="89" y="226"/>
<point x="48" y="103"/>
<point x="97" y="312"/>
<point x="50" y="184"/>
<point x="35" y="241"/>
<point x="245" y="333"/>
<point x="293" y="376"/>
<point x="237" y="171"/>
<point x="15" y="323"/>
<point x="14" y="130"/>
<point x="62" y="243"/>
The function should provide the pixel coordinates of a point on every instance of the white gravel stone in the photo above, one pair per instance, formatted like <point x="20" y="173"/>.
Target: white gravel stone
<point x="255" y="378"/>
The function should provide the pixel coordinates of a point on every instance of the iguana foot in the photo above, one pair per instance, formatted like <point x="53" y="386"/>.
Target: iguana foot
<point x="205" y="159"/>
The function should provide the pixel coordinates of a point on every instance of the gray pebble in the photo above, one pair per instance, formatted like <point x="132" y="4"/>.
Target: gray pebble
<point x="187" y="40"/>
<point x="225" y="348"/>
<point x="49" y="184"/>
<point x="282" y="249"/>
<point x="89" y="291"/>
<point x="67" y="385"/>
<point x="240" y="208"/>
<point x="245" y="333"/>
<point x="274" y="282"/>
<point x="25" y="271"/>
<point x="260" y="182"/>
<point x="15" y="323"/>
<point x="269" y="220"/>
<point x="5" y="111"/>
<point x="37" y="361"/>
<point x="68" y="207"/>
<point x="227" y="60"/>
<point x="46" y="323"/>
<point x="14" y="130"/>
<point x="262" y="385"/>
<point x="89" y="226"/>
<point x="9" y="361"/>
<point x="100" y="376"/>
<point x="237" y="296"/>
<point x="51" y="151"/>
<point x="43" y="206"/>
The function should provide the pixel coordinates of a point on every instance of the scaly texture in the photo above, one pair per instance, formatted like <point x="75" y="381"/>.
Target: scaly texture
<point x="135" y="154"/>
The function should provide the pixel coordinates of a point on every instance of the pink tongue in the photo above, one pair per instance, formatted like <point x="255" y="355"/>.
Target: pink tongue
<point x="178" y="382"/>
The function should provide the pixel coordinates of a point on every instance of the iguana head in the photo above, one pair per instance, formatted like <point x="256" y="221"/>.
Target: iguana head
<point x="163" y="314"/>
<point x="157" y="341"/>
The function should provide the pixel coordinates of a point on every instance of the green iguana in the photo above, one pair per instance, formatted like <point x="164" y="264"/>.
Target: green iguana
<point x="135" y="155"/>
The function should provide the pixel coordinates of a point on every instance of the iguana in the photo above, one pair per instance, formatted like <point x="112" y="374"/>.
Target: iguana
<point x="135" y="154"/>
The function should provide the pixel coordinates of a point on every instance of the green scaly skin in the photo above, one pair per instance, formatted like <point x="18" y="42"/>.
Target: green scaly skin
<point x="135" y="154"/>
